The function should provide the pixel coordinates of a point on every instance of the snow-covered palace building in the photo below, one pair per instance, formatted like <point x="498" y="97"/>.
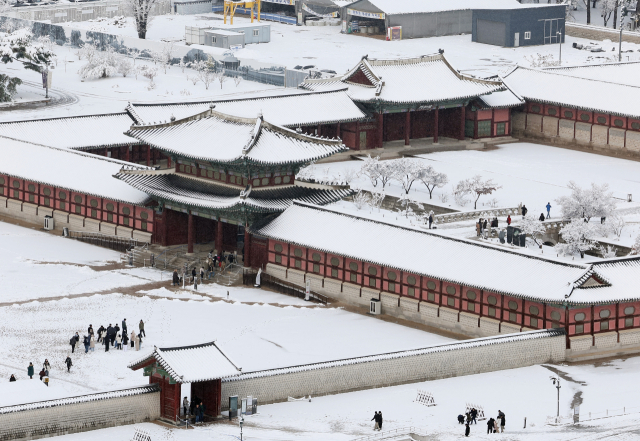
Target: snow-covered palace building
<point x="224" y="172"/>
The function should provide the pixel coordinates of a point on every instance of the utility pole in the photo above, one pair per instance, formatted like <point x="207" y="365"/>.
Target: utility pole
<point x="556" y="382"/>
<point x="559" y="34"/>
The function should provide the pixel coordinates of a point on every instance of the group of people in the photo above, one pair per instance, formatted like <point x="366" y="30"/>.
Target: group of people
<point x="110" y="337"/>
<point x="377" y="419"/>
<point x="215" y="262"/>
<point x="483" y="227"/>
<point x="196" y="409"/>
<point x="493" y="425"/>
<point x="44" y="372"/>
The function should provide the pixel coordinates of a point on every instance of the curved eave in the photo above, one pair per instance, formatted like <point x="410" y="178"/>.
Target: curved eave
<point x="378" y="100"/>
<point x="104" y="146"/>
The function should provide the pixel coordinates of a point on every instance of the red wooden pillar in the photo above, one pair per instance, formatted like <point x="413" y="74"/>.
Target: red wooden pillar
<point x="219" y="236"/>
<point x="106" y="152"/>
<point x="168" y="161"/>
<point x="380" y="129"/>
<point x="126" y="156"/>
<point x="435" y="126"/>
<point x="407" y="129"/>
<point x="148" y="155"/>
<point x="319" y="130"/>
<point x="247" y="247"/>
<point x="463" y="115"/>
<point x="190" y="234"/>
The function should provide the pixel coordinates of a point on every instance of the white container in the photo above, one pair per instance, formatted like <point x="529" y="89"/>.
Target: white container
<point x="375" y="307"/>
<point x="49" y="223"/>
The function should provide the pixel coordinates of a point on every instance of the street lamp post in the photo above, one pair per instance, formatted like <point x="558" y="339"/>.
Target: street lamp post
<point x="559" y="34"/>
<point x="556" y="382"/>
<point x="241" y="423"/>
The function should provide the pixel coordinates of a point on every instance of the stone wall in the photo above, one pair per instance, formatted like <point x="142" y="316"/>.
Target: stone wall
<point x="598" y="33"/>
<point x="79" y="414"/>
<point x="34" y="214"/>
<point x="442" y="361"/>
<point x="577" y="134"/>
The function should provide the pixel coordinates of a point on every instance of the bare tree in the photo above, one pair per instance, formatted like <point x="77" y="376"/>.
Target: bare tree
<point x="370" y="168"/>
<point x="578" y="237"/>
<point x="407" y="171"/>
<point x="361" y="199"/>
<point x="237" y="79"/>
<point x="204" y="73"/>
<point x="477" y="187"/>
<point x="222" y="78"/>
<point x="376" y="199"/>
<point x="134" y="54"/>
<point x="432" y="179"/>
<point x="142" y="12"/>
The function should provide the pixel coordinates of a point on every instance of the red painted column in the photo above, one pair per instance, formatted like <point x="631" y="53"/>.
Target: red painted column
<point x="247" y="247"/>
<point x="219" y="236"/>
<point x="407" y="129"/>
<point x="168" y="161"/>
<point x="380" y="129"/>
<point x="148" y="155"/>
<point x="435" y="126"/>
<point x="126" y="156"/>
<point x="106" y="152"/>
<point x="463" y="115"/>
<point x="190" y="234"/>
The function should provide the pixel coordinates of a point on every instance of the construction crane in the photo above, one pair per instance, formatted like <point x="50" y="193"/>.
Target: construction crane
<point x="231" y="5"/>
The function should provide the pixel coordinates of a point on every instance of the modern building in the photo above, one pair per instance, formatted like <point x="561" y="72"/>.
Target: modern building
<point x="223" y="38"/>
<point x="527" y="25"/>
<point x="192" y="7"/>
<point x="253" y="33"/>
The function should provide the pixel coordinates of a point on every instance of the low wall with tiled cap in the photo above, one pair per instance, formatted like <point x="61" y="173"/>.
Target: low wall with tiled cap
<point x="432" y="363"/>
<point x="79" y="414"/>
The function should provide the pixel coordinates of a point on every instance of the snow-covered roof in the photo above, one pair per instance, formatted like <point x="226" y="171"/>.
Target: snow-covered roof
<point x="446" y="347"/>
<point x="428" y="79"/>
<point x="396" y="7"/>
<point x="216" y="137"/>
<point x="148" y="388"/>
<point x="191" y="364"/>
<point x="292" y="109"/>
<point x="68" y="169"/>
<point x="431" y="254"/>
<point x="502" y="99"/>
<point x="627" y="73"/>
<point x="77" y="132"/>
<point x="622" y="275"/>
<point x="223" y="32"/>
<point x="551" y="87"/>
<point x="208" y="195"/>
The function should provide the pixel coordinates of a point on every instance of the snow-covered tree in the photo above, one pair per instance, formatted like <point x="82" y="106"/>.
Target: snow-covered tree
<point x="149" y="72"/>
<point x="407" y="171"/>
<point x="361" y="199"/>
<point x="237" y="79"/>
<point x="635" y="249"/>
<point x="578" y="237"/>
<point x="142" y="12"/>
<point x="607" y="7"/>
<point x="432" y="179"/>
<point x="406" y="208"/>
<point x="376" y="199"/>
<point x="476" y="187"/>
<point x="204" y="72"/>
<point x="134" y="54"/>
<point x="608" y="252"/>
<point x="20" y="46"/>
<point x="370" y="168"/>
<point x="586" y="203"/>
<point x="222" y="78"/>
<point x="614" y="224"/>
<point x="125" y="66"/>
<point x="8" y="87"/>
<point x="100" y="64"/>
<point x="532" y="227"/>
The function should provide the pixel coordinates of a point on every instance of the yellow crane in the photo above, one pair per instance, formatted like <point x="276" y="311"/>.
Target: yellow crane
<point x="231" y="5"/>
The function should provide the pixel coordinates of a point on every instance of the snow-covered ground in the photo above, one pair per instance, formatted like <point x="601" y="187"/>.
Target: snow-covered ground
<point x="532" y="174"/>
<point x="519" y="393"/>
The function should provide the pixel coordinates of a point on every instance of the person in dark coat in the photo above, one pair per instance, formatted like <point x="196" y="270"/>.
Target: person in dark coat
<point x="197" y="412"/>
<point x="541" y="218"/>
<point x="430" y="220"/>
<point x="467" y="429"/>
<point x="524" y="211"/>
<point x="30" y="371"/>
<point x="68" y="363"/>
<point x="124" y="326"/>
<point x="176" y="278"/>
<point x="502" y="419"/>
<point x="460" y="419"/>
<point x="193" y="273"/>
<point x="376" y="425"/>
<point x="73" y="342"/>
<point x="474" y="415"/>
<point x="490" y="425"/>
<point x="380" y="419"/>
<point x="42" y="374"/>
<point x="141" y="329"/>
<point x="86" y="341"/>
<point x="90" y="330"/>
<point x="101" y="332"/>
<point x="12" y="378"/>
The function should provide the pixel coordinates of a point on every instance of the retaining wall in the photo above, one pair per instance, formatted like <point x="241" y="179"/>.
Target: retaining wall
<point x="79" y="414"/>
<point x="599" y="33"/>
<point x="436" y="362"/>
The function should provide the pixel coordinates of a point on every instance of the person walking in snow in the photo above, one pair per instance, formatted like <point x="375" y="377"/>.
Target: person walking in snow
<point x="68" y="363"/>
<point x="74" y="339"/>
<point x="86" y="340"/>
<point x="524" y="211"/>
<point x="141" y="328"/>
<point x="41" y="373"/>
<point x="474" y="415"/>
<point x="202" y="276"/>
<point x="30" y="371"/>
<point x="125" y="341"/>
<point x="430" y="219"/>
<point x="490" y="425"/>
<point x="13" y="378"/>
<point x="193" y="273"/>
<point x="108" y="334"/>
<point x="541" y="218"/>
<point x="502" y="418"/>
<point x="92" y="343"/>
<point x="467" y="429"/>
<point x="495" y="426"/>
<point x="133" y="339"/>
<point x="46" y="366"/>
<point x="116" y="330"/>
<point x="509" y="220"/>
<point x="100" y="333"/>
<point x="90" y="330"/>
<point x="376" y="425"/>
<point x="124" y="326"/>
<point x="119" y="341"/>
<point x="176" y="278"/>
<point x="548" y="210"/>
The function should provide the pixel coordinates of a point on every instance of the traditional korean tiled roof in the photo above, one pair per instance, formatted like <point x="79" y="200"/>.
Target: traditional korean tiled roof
<point x="216" y="137"/>
<point x="621" y="276"/>
<point x="70" y="170"/>
<point x="446" y="347"/>
<point x="146" y="389"/>
<point x="293" y="109"/>
<point x="77" y="132"/>
<point x="431" y="254"/>
<point x="191" y="364"/>
<point x="552" y="87"/>
<point x="501" y="100"/>
<point x="627" y="73"/>
<point x="200" y="194"/>
<point x="426" y="80"/>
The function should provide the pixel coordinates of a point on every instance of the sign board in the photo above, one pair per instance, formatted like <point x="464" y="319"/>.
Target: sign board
<point x="244" y="406"/>
<point x="312" y="12"/>
<point x="282" y="2"/>
<point x="394" y="33"/>
<point x="47" y="76"/>
<point x="356" y="13"/>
